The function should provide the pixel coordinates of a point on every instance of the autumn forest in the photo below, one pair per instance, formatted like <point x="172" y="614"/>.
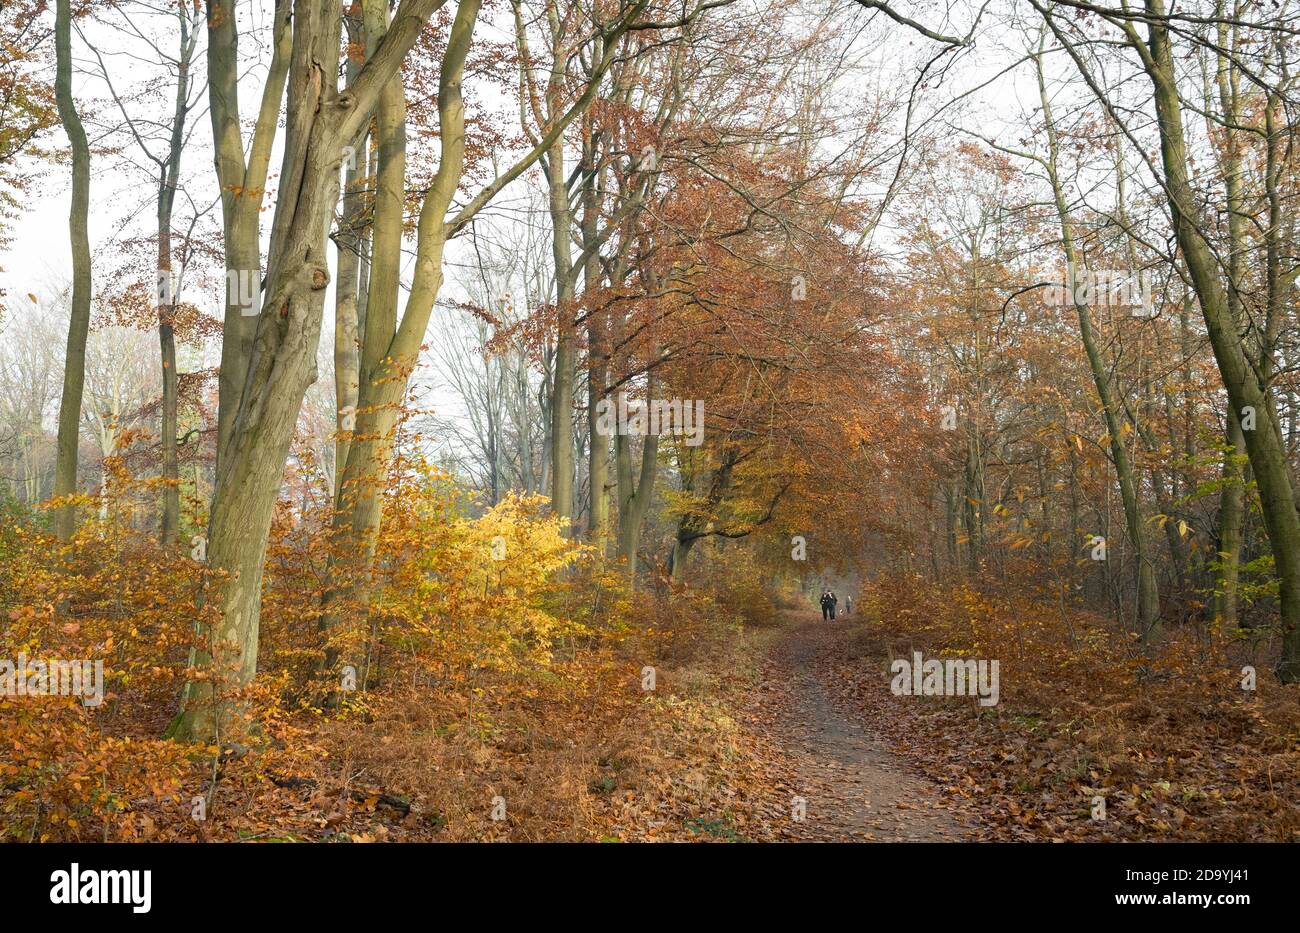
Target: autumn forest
<point x="649" y="420"/>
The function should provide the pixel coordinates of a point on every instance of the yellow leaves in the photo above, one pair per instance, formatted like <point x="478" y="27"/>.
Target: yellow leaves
<point x="477" y="593"/>
<point x="1162" y="520"/>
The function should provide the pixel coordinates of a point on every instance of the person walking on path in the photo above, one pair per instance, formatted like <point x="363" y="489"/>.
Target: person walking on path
<point x="828" y="606"/>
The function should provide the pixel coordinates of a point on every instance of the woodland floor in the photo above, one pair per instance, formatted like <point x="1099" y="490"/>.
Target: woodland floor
<point x="744" y="723"/>
<point x="719" y="753"/>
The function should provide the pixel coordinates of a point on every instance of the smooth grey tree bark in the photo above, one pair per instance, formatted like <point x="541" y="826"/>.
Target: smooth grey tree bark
<point x="74" y="365"/>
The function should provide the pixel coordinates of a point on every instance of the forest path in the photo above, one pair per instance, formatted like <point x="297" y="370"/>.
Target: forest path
<point x="856" y="789"/>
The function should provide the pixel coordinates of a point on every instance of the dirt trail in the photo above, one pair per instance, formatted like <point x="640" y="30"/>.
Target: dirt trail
<point x="856" y="788"/>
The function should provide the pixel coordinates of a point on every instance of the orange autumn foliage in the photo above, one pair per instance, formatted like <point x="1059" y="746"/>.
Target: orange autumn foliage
<point x="475" y="611"/>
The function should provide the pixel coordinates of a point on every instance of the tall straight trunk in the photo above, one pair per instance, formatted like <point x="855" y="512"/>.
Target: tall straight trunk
<point x="936" y="570"/>
<point x="597" y="354"/>
<point x="1148" y="594"/>
<point x="562" y="398"/>
<point x="346" y="355"/>
<point x="169" y="525"/>
<point x="171" y="493"/>
<point x="1232" y="494"/>
<point x="973" y="500"/>
<point x="951" y="521"/>
<point x="347" y="287"/>
<point x="1072" y="566"/>
<point x="546" y="107"/>
<point x="1264" y="444"/>
<point x="598" y="473"/>
<point x="972" y="505"/>
<point x="357" y="498"/>
<point x="634" y="488"/>
<point x="364" y="248"/>
<point x="74" y="364"/>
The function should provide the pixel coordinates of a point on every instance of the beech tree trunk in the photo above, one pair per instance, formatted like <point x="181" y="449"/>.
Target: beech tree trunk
<point x="1264" y="445"/>
<point x="562" y="461"/>
<point x="74" y="365"/>
<point x="597" y="352"/>
<point x="319" y="123"/>
<point x="169" y="524"/>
